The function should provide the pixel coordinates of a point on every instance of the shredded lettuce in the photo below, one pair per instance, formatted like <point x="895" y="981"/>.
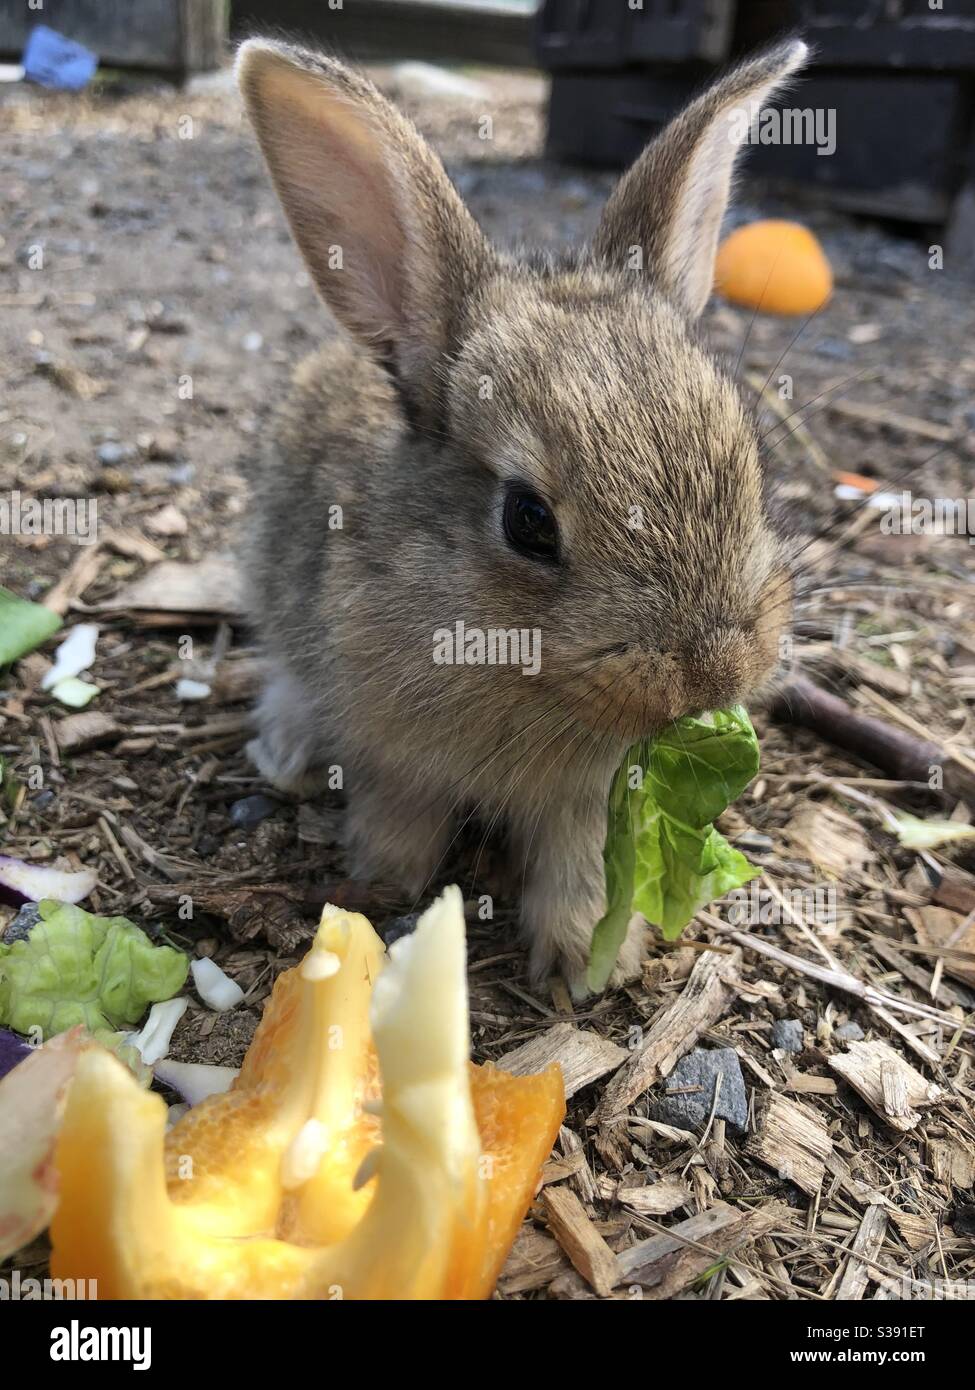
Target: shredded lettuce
<point x="663" y="856"/>
<point x="74" y="967"/>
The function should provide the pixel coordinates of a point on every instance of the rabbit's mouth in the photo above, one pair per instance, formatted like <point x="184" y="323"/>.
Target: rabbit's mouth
<point x="637" y="692"/>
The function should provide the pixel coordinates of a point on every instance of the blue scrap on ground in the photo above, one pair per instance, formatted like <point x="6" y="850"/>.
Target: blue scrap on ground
<point x="51" y="60"/>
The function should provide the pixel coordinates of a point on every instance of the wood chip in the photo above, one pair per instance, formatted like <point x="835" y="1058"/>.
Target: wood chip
<point x="239" y="678"/>
<point x="665" y="1264"/>
<point x="578" y="1237"/>
<point x="701" y="1003"/>
<point x="866" y="1243"/>
<point x="535" y="1260"/>
<point x="887" y="679"/>
<point x="80" y="574"/>
<point x="830" y="839"/>
<point x="866" y="413"/>
<point x="583" y="1056"/>
<point x="82" y="730"/>
<point x="583" y="1180"/>
<point x="791" y="1140"/>
<point x="804" y="1084"/>
<point x="656" y="1198"/>
<point x="891" y="1087"/>
<point x="75" y="381"/>
<point x="952" y="1163"/>
<point x="917" y="1231"/>
<point x="131" y="544"/>
<point x="936" y="926"/>
<point x="168" y="521"/>
<point x="212" y="586"/>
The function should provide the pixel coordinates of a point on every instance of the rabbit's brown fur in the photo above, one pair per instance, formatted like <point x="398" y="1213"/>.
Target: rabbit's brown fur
<point x="582" y="378"/>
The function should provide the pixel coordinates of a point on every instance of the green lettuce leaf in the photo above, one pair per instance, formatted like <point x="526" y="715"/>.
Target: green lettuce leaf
<point x="75" y="967"/>
<point x="663" y="856"/>
<point x="23" y="626"/>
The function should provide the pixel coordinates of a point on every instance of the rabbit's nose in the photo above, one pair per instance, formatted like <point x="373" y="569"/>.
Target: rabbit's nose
<point x="715" y="667"/>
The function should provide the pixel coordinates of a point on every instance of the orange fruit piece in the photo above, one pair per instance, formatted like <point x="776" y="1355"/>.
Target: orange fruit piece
<point x="773" y="265"/>
<point x="358" y="1155"/>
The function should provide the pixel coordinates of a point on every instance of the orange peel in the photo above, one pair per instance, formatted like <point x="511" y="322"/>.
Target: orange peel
<point x="359" y="1154"/>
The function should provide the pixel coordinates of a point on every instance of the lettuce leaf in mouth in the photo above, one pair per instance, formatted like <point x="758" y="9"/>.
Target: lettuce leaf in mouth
<point x="663" y="856"/>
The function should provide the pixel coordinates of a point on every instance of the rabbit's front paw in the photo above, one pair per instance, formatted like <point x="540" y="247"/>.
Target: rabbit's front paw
<point x="568" y="952"/>
<point x="287" y="750"/>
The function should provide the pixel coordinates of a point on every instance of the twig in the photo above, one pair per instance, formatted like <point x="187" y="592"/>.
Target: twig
<point x="837" y="979"/>
<point x="909" y="759"/>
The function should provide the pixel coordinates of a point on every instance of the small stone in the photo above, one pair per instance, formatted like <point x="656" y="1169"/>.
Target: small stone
<point x="399" y="927"/>
<point x="687" y="1095"/>
<point x="251" y="810"/>
<point x="787" y="1035"/>
<point x="19" y="929"/>
<point x="252" y="342"/>
<point x="111" y="453"/>
<point x="835" y="348"/>
<point x="849" y="1032"/>
<point x="751" y="842"/>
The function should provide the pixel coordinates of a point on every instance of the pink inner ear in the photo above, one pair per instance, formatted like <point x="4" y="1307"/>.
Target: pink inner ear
<point x="330" y="169"/>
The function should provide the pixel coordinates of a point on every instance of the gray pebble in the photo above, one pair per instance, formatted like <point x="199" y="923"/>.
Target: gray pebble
<point x="111" y="453"/>
<point x="848" y="1032"/>
<point x="787" y="1034"/>
<point x="399" y="927"/>
<point x="700" y="1069"/>
<point x="19" y="929"/>
<point x="251" y="810"/>
<point x="752" y="842"/>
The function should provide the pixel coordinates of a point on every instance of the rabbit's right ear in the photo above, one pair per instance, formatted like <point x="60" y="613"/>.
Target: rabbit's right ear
<point x="388" y="242"/>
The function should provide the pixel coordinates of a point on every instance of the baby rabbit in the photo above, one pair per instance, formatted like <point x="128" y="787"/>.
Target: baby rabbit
<point x="537" y="446"/>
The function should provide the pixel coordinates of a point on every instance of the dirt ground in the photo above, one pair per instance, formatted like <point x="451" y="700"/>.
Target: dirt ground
<point x="164" y="260"/>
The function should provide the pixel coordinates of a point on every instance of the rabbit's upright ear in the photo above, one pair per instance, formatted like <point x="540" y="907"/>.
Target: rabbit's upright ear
<point x="670" y="204"/>
<point x="388" y="242"/>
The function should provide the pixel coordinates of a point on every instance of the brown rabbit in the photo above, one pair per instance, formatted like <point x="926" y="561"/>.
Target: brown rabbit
<point x="538" y="448"/>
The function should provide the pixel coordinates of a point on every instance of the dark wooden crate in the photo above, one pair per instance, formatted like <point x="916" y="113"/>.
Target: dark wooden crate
<point x="607" y="33"/>
<point x="389" y="30"/>
<point x="904" y="34"/>
<point x="607" y="118"/>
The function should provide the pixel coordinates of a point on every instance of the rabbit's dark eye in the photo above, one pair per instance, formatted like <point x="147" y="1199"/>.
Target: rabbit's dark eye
<point x="530" y="526"/>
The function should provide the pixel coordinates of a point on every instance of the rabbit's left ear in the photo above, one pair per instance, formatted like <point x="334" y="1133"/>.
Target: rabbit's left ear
<point x="388" y="242"/>
<point x="670" y="204"/>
